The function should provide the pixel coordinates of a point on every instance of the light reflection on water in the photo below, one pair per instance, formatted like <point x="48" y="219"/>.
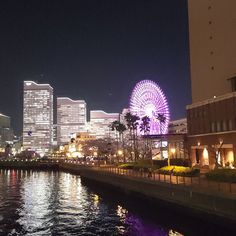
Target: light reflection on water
<point x="57" y="203"/>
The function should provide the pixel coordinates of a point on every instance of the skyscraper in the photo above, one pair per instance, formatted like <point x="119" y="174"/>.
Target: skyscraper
<point x="6" y="133"/>
<point x="37" y="117"/>
<point x="71" y="118"/>
<point x="100" y="122"/>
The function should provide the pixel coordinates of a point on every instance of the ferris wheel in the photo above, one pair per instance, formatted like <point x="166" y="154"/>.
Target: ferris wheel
<point x="148" y="99"/>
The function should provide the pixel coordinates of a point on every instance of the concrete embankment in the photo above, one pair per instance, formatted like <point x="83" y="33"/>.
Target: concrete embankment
<point x="29" y="164"/>
<point x="215" y="206"/>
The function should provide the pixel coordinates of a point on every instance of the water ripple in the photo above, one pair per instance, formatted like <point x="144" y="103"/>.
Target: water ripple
<point x="38" y="203"/>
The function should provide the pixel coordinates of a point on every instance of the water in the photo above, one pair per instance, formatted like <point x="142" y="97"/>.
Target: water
<point x="57" y="203"/>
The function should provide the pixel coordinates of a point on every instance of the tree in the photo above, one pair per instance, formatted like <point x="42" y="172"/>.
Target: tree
<point x="161" y="118"/>
<point x="145" y="128"/>
<point x="217" y="151"/>
<point x="145" y="125"/>
<point x="132" y="124"/>
<point x="120" y="128"/>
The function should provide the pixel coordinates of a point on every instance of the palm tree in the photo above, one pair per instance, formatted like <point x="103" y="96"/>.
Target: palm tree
<point x="145" y="125"/>
<point x="145" y="128"/>
<point x="132" y="124"/>
<point x="120" y="128"/>
<point x="161" y="118"/>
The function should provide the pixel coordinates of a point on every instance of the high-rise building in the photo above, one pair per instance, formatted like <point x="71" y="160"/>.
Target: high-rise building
<point x="37" y="117"/>
<point x="212" y="39"/>
<point x="71" y="118"/>
<point x="6" y="133"/>
<point x="211" y="117"/>
<point x="177" y="126"/>
<point x="100" y="122"/>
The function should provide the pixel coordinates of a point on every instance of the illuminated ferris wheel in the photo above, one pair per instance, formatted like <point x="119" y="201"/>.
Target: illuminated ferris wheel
<point x="148" y="99"/>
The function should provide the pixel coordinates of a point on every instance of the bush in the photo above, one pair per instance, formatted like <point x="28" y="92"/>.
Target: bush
<point x="178" y="171"/>
<point x="144" y="165"/>
<point x="223" y="175"/>
<point x="126" y="166"/>
<point x="173" y="162"/>
<point x="179" y="162"/>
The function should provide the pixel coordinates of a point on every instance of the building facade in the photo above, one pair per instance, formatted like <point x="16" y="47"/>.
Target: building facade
<point x="177" y="126"/>
<point x="100" y="122"/>
<point x="212" y="39"/>
<point x="37" y="117"/>
<point x="211" y="118"/>
<point x="71" y="118"/>
<point x="6" y="133"/>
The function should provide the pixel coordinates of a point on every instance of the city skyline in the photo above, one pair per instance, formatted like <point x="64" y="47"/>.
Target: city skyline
<point x="96" y="52"/>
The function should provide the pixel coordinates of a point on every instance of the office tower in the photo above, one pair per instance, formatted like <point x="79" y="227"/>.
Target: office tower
<point x="71" y="118"/>
<point x="37" y="117"/>
<point x="6" y="133"/>
<point x="100" y="123"/>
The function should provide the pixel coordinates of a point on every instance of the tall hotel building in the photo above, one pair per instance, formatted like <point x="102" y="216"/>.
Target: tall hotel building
<point x="37" y="117"/>
<point x="71" y="118"/>
<point x="212" y="115"/>
<point x="100" y="122"/>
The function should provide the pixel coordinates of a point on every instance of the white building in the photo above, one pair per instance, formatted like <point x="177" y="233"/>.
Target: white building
<point x="178" y="126"/>
<point x="6" y="133"/>
<point x="100" y="122"/>
<point x="37" y="117"/>
<point x="71" y="118"/>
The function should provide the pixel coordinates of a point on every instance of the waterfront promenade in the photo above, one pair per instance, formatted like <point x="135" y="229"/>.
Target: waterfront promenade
<point x="208" y="199"/>
<point x="200" y="182"/>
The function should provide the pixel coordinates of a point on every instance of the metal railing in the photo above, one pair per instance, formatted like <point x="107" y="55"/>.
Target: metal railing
<point x="200" y="182"/>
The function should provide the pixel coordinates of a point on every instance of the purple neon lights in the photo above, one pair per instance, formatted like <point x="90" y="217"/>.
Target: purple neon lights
<point x="148" y="99"/>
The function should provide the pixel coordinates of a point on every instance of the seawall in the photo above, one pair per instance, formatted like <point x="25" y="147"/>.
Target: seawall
<point x="215" y="206"/>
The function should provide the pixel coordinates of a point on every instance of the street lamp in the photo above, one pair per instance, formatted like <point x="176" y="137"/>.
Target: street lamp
<point x="120" y="153"/>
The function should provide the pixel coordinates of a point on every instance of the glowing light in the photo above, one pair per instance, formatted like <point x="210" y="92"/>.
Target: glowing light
<point x="120" y="152"/>
<point x="231" y="156"/>
<point x="72" y="149"/>
<point x="205" y="156"/>
<point x="172" y="150"/>
<point x="76" y="154"/>
<point x="147" y="99"/>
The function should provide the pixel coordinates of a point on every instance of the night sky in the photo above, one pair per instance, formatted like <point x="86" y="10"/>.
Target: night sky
<point x="94" y="50"/>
